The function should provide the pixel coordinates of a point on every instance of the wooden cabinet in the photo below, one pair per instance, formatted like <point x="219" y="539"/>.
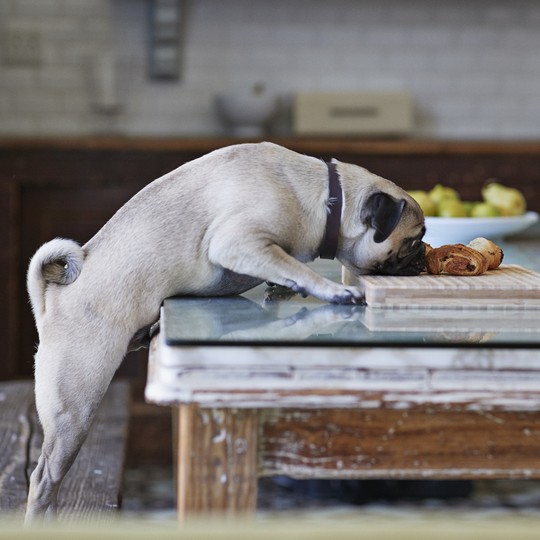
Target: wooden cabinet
<point x="69" y="192"/>
<point x="69" y="188"/>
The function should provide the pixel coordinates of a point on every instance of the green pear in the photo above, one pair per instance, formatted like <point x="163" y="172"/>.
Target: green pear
<point x="484" y="209"/>
<point x="508" y="201"/>
<point x="469" y="205"/>
<point x="427" y="205"/>
<point x="451" y="208"/>
<point x="440" y="192"/>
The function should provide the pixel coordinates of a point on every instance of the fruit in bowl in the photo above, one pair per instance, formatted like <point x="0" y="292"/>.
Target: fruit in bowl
<point x="450" y="220"/>
<point x="451" y="208"/>
<point x="427" y="204"/>
<point x="498" y="200"/>
<point x="483" y="210"/>
<point x="508" y="201"/>
<point x="441" y="193"/>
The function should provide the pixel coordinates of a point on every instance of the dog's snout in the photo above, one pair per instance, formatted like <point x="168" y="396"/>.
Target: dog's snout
<point x="411" y="265"/>
<point x="417" y="262"/>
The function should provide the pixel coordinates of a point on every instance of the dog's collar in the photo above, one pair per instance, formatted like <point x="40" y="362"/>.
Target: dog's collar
<point x="329" y="245"/>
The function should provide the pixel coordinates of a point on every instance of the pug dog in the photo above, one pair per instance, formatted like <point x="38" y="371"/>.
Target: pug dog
<point x="218" y="225"/>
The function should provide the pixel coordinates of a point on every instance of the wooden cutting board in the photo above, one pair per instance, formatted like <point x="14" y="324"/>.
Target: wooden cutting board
<point x="510" y="286"/>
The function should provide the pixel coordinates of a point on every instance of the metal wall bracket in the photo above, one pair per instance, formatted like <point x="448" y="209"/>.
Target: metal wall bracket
<point x="164" y="52"/>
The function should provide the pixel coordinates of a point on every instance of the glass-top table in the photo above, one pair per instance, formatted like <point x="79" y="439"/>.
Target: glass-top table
<point x="262" y="316"/>
<point x="263" y="385"/>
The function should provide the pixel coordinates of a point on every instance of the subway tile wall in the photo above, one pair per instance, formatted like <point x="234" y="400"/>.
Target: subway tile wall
<point x="471" y="66"/>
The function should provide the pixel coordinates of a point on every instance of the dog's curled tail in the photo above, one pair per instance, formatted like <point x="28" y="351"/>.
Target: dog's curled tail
<point x="59" y="261"/>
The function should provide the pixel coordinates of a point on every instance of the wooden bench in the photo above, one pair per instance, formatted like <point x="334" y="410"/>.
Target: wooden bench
<point x="92" y="487"/>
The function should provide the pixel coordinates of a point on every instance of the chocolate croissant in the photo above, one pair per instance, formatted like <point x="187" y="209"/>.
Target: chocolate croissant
<point x="455" y="259"/>
<point x="491" y="251"/>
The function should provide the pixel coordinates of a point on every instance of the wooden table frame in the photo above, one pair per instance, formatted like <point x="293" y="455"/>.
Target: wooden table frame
<point x="443" y="413"/>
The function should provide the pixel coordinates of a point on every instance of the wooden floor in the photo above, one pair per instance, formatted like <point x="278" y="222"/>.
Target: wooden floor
<point x="92" y="487"/>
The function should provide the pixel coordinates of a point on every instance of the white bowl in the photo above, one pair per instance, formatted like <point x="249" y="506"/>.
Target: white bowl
<point x="441" y="231"/>
<point x="246" y="113"/>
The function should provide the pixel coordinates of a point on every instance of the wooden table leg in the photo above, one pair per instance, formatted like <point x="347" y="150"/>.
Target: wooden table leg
<point x="216" y="461"/>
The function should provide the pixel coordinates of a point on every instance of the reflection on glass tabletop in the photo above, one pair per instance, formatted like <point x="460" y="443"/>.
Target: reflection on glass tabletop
<point x="307" y="321"/>
<point x="265" y="315"/>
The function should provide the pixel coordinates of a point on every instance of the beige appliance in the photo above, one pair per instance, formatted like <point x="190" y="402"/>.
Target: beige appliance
<point x="383" y="114"/>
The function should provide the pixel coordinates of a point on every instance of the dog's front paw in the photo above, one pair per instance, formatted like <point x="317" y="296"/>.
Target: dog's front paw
<point x="296" y="288"/>
<point x="348" y="295"/>
<point x="339" y="294"/>
<point x="329" y="291"/>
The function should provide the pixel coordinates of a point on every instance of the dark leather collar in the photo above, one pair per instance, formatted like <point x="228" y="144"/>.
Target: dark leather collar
<point x="329" y="245"/>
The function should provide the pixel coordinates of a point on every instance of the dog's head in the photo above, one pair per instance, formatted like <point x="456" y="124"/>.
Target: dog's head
<point x="382" y="226"/>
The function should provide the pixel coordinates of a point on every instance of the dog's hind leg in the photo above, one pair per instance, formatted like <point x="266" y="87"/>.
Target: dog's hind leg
<point x="71" y="379"/>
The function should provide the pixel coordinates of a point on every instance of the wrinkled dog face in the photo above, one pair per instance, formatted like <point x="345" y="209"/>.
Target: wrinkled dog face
<point x="392" y="240"/>
<point x="409" y="260"/>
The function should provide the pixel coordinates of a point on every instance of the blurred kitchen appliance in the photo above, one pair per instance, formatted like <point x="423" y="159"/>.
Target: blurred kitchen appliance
<point x="246" y="112"/>
<point x="353" y="113"/>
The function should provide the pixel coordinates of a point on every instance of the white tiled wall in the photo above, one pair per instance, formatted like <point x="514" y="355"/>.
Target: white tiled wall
<point x="472" y="66"/>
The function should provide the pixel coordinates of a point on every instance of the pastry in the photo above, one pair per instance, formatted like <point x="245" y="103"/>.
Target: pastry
<point x="491" y="251"/>
<point x="456" y="259"/>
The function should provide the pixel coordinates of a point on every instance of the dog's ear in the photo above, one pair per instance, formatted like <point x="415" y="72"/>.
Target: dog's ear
<point x="382" y="212"/>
